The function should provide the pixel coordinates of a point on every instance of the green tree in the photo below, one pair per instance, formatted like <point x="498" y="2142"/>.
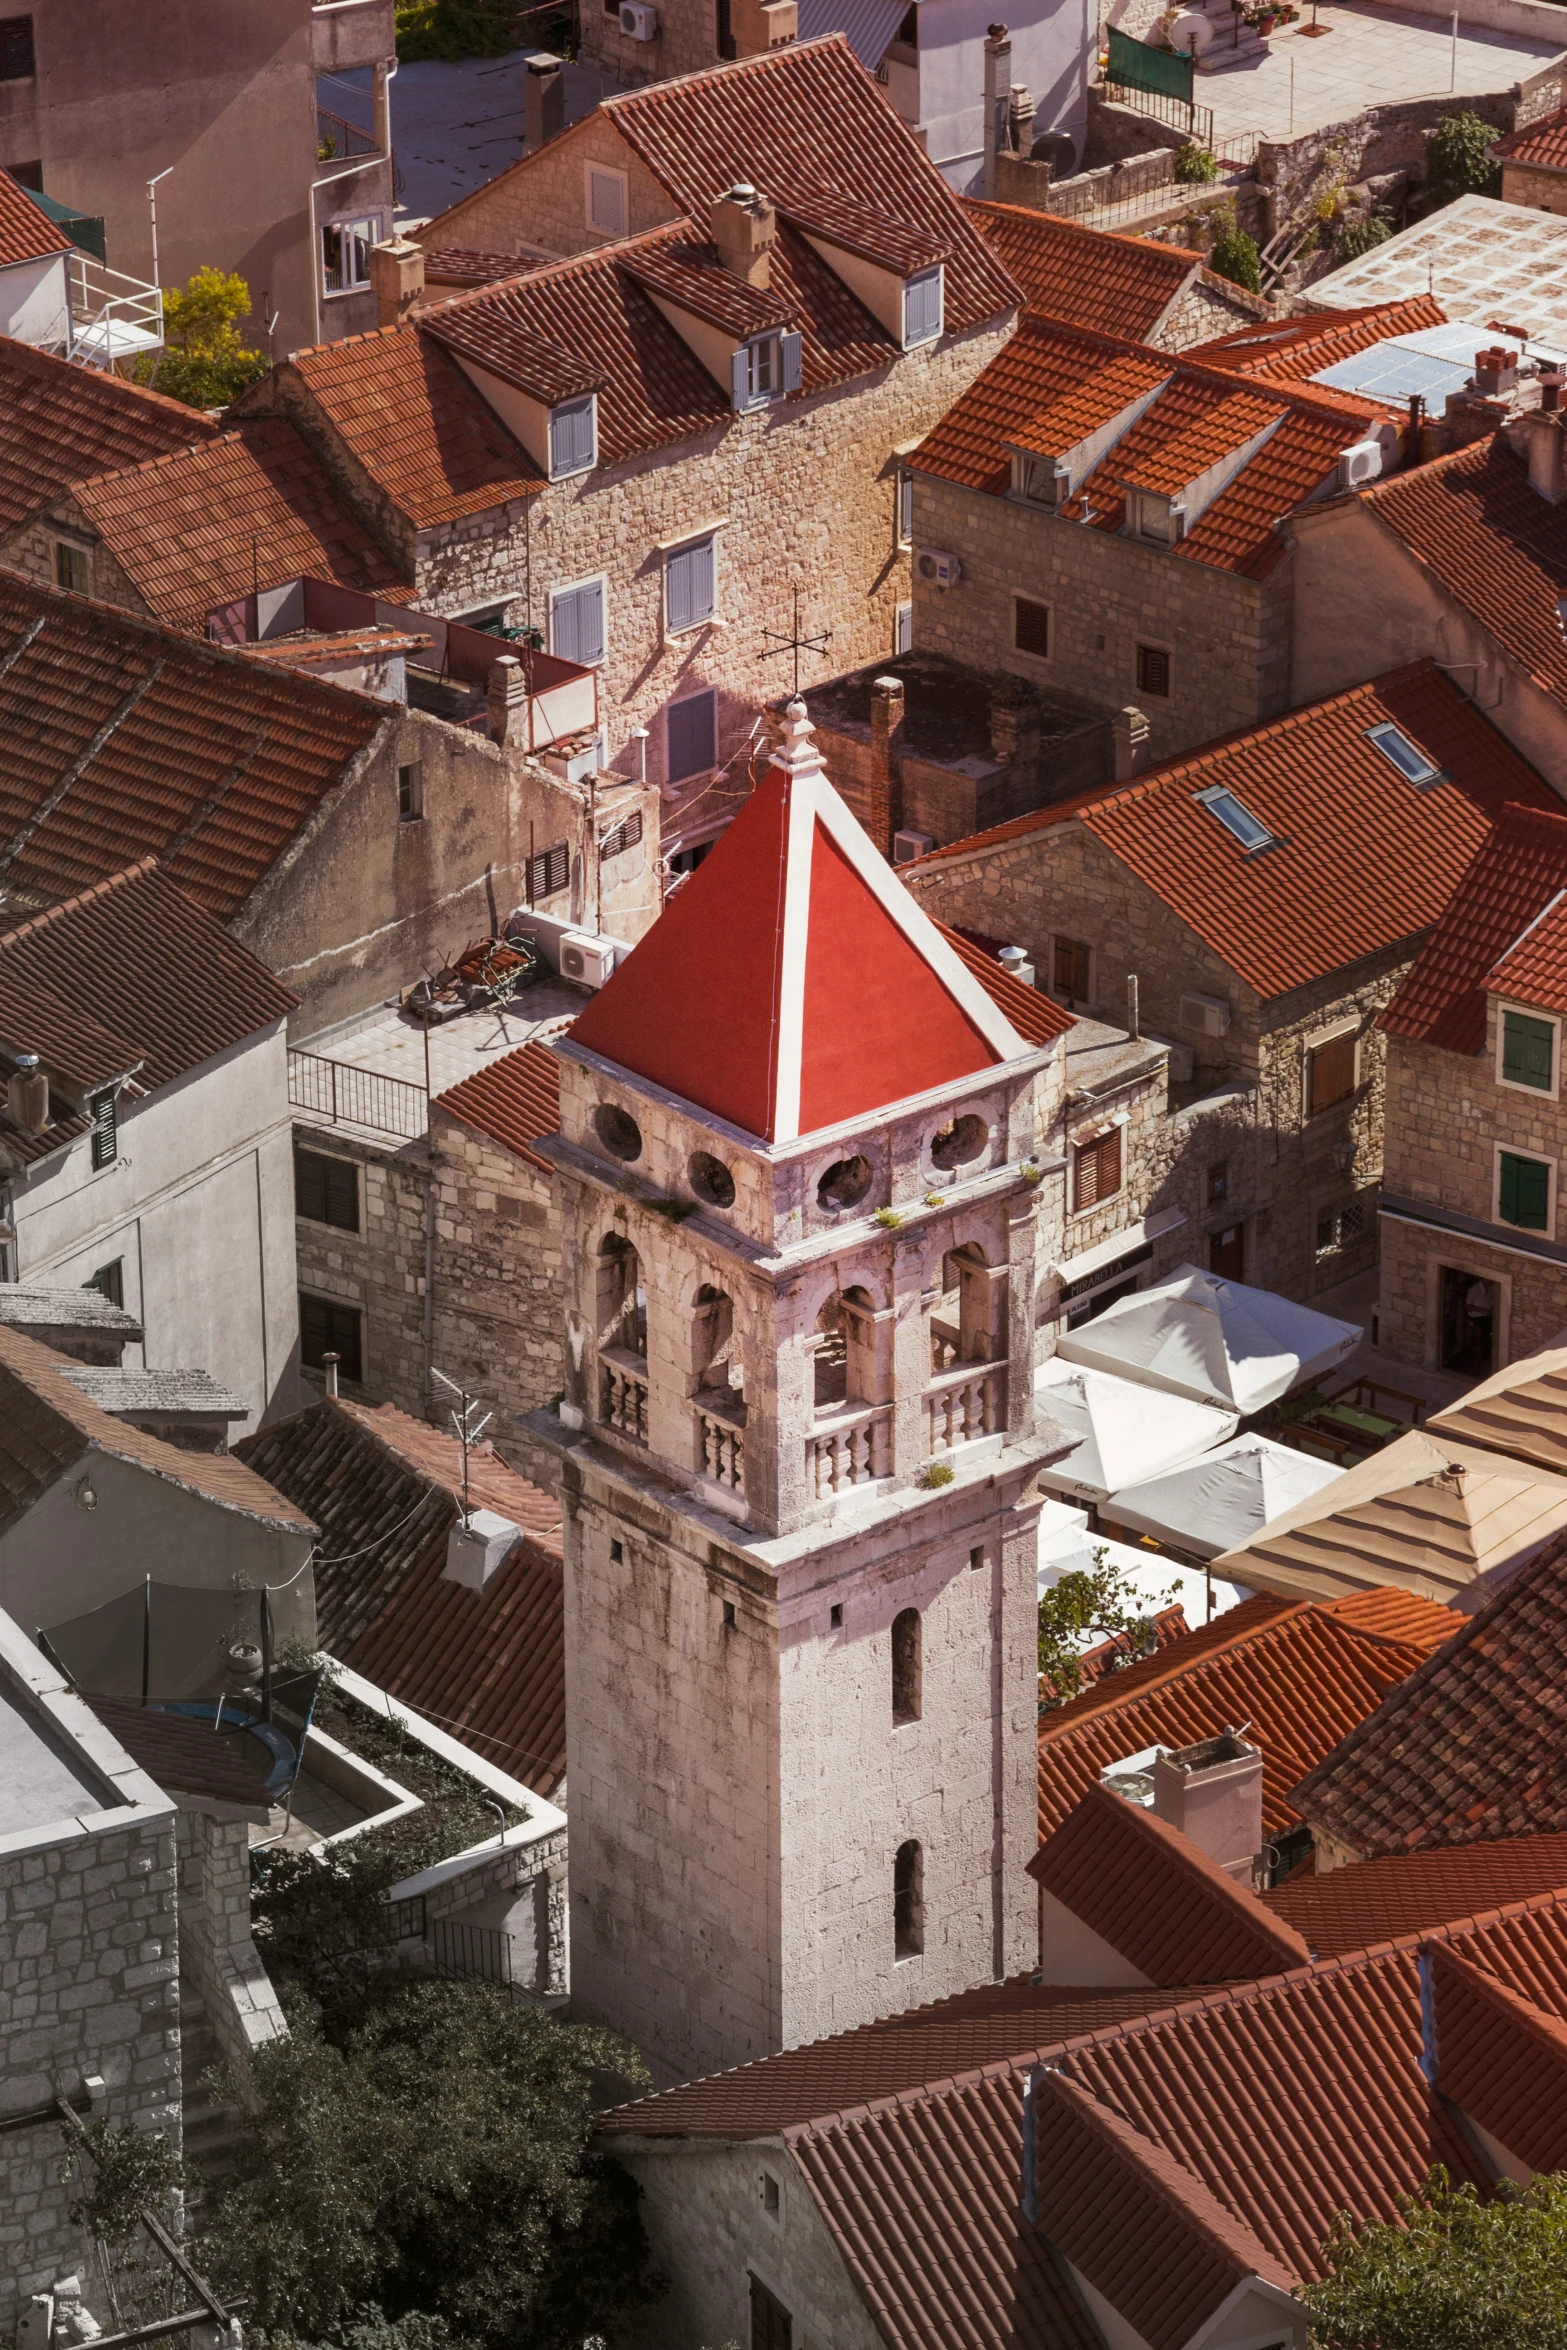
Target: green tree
<point x="1456" y="2273"/>
<point x="203" y="361"/>
<point x="1359" y="236"/>
<point x="1100" y="1600"/>
<point x="1456" y="160"/>
<point x="1193" y="164"/>
<point x="454" y="28"/>
<point x="433" y="2167"/>
<point x="1233" y="254"/>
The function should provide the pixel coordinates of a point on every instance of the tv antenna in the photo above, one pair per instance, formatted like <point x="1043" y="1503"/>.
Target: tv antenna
<point x="469" y="1431"/>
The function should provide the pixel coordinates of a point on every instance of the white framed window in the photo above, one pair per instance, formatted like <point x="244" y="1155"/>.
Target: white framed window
<point x="574" y="436"/>
<point x="690" y="584"/>
<point x="1528" y="1051"/>
<point x="577" y="621"/>
<point x="764" y="369"/>
<point x="903" y="629"/>
<point x="1524" y="1191"/>
<point x="691" y="736"/>
<point x="905" y="506"/>
<point x="345" y="253"/>
<point x="922" y="307"/>
<point x="604" y="199"/>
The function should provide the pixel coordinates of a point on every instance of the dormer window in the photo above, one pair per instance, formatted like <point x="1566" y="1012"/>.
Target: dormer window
<point x="1040" y="480"/>
<point x="1155" y="518"/>
<point x="922" y="307"/>
<point x="765" y="369"/>
<point x="574" y="436"/>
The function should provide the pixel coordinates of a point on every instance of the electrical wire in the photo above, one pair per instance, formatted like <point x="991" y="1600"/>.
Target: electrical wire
<point x="348" y="1556"/>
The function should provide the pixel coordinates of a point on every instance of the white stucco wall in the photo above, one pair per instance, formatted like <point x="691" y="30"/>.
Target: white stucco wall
<point x="1051" y="46"/>
<point x="34" y="302"/>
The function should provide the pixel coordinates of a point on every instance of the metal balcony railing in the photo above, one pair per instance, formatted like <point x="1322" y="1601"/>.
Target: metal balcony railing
<point x="112" y="316"/>
<point x="340" y="141"/>
<point x="348" y="1096"/>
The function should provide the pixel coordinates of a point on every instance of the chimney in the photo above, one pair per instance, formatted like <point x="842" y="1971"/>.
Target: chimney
<point x="1129" y="733"/>
<point x="1134" y="1025"/>
<point x="27" y="1096"/>
<point x="506" y="698"/>
<point x="1212" y="1792"/>
<point x="998" y="82"/>
<point x="1496" y="371"/>
<point x="397" y="277"/>
<point x="329" y="1363"/>
<point x="744" y="226"/>
<point x="1550" y="380"/>
<point x="1014" y="723"/>
<point x="543" y="99"/>
<point x="886" y="729"/>
<point x="1020" y="119"/>
<point x="1545" y="455"/>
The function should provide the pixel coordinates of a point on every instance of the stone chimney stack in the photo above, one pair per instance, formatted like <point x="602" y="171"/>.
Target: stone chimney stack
<point x="1545" y="455"/>
<point x="27" y="1095"/>
<point x="1020" y="119"/>
<point x="998" y="84"/>
<point x="744" y="227"/>
<point x="1212" y="1792"/>
<point x="1129" y="732"/>
<point x="397" y="278"/>
<point x="886" y="727"/>
<point x="507" y="699"/>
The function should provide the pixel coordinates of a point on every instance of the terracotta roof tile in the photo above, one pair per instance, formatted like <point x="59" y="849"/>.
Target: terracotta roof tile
<point x="26" y="233"/>
<point x="1169" y="466"/>
<point x="1501" y="2059"/>
<point x="1535" y="972"/>
<point x="1291" y="350"/>
<point x="461" y="265"/>
<point x="871" y="235"/>
<point x="1354" y="869"/>
<point x="60" y="424"/>
<point x="212" y="771"/>
<point x="1087" y="407"/>
<point x="1084" y="276"/>
<point x="1398" y="1894"/>
<point x="1519" y="869"/>
<point x="1542" y="143"/>
<point x="1473" y="1747"/>
<point x="199" y="528"/>
<point x="1157" y="1898"/>
<point x="1300" y="1674"/>
<point x="515" y="1100"/>
<point x="1037" y="1018"/>
<point x="1495" y="545"/>
<point x="487" y="1665"/>
<point x="183" y="1755"/>
<point x="690" y="274"/>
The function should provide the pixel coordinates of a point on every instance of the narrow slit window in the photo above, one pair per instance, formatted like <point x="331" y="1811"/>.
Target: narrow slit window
<point x="1236" y="818"/>
<point x="103" y="1110"/>
<point x="908" y="1901"/>
<point x="907" y="1664"/>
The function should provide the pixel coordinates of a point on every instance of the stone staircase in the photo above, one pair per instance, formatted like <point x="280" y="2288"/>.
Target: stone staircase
<point x="213" y="2126"/>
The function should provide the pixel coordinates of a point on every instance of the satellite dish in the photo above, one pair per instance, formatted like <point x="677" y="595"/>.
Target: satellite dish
<point x="1056" y="149"/>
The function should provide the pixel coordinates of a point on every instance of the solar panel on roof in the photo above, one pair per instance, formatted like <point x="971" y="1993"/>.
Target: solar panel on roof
<point x="1433" y="361"/>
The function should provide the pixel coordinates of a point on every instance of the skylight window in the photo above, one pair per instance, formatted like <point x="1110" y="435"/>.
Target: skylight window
<point x="1236" y="819"/>
<point x="1406" y="756"/>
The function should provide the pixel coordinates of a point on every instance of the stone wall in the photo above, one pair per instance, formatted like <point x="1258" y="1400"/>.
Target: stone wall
<point x="518" y="1887"/>
<point x="1540" y="191"/>
<point x="217" y="1954"/>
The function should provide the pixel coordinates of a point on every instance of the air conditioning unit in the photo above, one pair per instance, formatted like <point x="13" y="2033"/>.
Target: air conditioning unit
<point x="1208" y="1014"/>
<point x="1182" y="1060"/>
<point x="638" y="21"/>
<point x="906" y="846"/>
<point x="1362" y="462"/>
<point x="474" y="1551"/>
<point x="589" y="961"/>
<point x="940" y="567"/>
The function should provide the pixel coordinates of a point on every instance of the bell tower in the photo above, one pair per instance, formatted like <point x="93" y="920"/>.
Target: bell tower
<point x="797" y="1445"/>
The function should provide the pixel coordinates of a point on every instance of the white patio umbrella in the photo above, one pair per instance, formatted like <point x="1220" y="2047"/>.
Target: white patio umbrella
<point x="1158" y="1581"/>
<point x="1125" y="1432"/>
<point x="1220" y="1342"/>
<point x="1201" y="1508"/>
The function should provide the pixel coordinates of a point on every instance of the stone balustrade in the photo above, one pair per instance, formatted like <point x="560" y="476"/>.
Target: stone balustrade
<point x="852" y="1447"/>
<point x="964" y="1404"/>
<point x="623" y="1393"/>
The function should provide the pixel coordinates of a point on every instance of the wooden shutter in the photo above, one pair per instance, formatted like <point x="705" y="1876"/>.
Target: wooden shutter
<point x="1527" y="1050"/>
<point x="790" y="347"/>
<point x="105" y="1133"/>
<point x="692" y="745"/>
<point x="16" y="49"/>
<point x="572" y="436"/>
<point x="625" y="836"/>
<point x="740" y="377"/>
<point x="1031" y="627"/>
<point x="922" y="306"/>
<point x="1153" y="670"/>
<point x="771" y="2326"/>
<point x="1332" y="1073"/>
<point x="1096" y="1169"/>
<point x="1525" y="1193"/>
<point x="577" y="623"/>
<point x="549" y="873"/>
<point x="1070" y="965"/>
<point x="689" y="589"/>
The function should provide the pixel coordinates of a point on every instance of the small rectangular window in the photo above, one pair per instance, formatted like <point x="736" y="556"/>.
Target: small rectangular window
<point x="328" y="1327"/>
<point x="1069" y="969"/>
<point x="410" y="793"/>
<point x="922" y="307"/>
<point x="326" y="1190"/>
<point x="905" y="507"/>
<point x="692" y="728"/>
<point x="625" y="836"/>
<point x="1219" y="1184"/>
<point x="109" y="1281"/>
<point x="617" y="1553"/>
<point x="690" y="584"/>
<point x="573" y="436"/>
<point x="1236" y="818"/>
<point x="1031" y="627"/>
<point x="607" y="193"/>
<point x="17" y="62"/>
<point x="577" y="623"/>
<point x="1096" y="1170"/>
<point x="70" y="568"/>
<point x="549" y="872"/>
<point x="1406" y="756"/>
<point x="1523" y="1192"/>
<point x="345" y="254"/>
<point x="1154" y="521"/>
<point x="835" y="1616"/>
<point x="1153" y="671"/>
<point x="1330" y="1073"/>
<point x="103" y="1111"/>
<point x="902" y="629"/>
<point x="1528" y="1051"/>
<point x="771" y="2197"/>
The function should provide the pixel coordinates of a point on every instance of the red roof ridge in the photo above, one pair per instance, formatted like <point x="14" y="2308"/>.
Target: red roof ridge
<point x="85" y="897"/>
<point x="1174" y="1660"/>
<point x="586" y="264"/>
<point x="1535" y="2019"/>
<point x="243" y="428"/>
<point x="383" y="1422"/>
<point x="987" y="205"/>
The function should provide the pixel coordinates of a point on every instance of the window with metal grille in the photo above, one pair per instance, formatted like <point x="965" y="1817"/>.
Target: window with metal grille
<point x="1069" y="968"/>
<point x="1031" y="627"/>
<point x="17" y="61"/>
<point x="573" y="436"/>
<point x="104" y="1113"/>
<point x="109" y="1281"/>
<point x="549" y="872"/>
<point x="771" y="2325"/>
<point x="1340" y="1227"/>
<point x="577" y="622"/>
<point x="689" y="579"/>
<point x="70" y="568"/>
<point x="1523" y="1192"/>
<point x="692" y="734"/>
<point x="908" y="1901"/>
<point x="327" y="1327"/>
<point x="922" y="307"/>
<point x="1096" y="1169"/>
<point x="1153" y="671"/>
<point x="1330" y="1073"/>
<point x="326" y="1190"/>
<point x="1528" y="1051"/>
<point x="625" y="836"/>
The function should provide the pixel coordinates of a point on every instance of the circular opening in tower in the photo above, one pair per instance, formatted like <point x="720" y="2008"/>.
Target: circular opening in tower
<point x="711" y="1179"/>
<point x="959" y="1144"/>
<point x="845" y="1183"/>
<point x="618" y="1131"/>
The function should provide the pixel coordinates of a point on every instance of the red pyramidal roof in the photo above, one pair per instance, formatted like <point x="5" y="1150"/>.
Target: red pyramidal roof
<point x="793" y="983"/>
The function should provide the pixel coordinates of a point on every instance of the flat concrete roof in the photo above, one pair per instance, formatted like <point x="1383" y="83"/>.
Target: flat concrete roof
<point x="1499" y="264"/>
<point x="40" y="1780"/>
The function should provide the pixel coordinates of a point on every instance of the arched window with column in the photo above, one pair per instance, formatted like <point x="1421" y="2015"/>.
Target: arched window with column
<point x="907" y="1665"/>
<point x="716" y="1355"/>
<point x="622" y="1338"/>
<point x="846" y="1350"/>
<point x="908" y="1901"/>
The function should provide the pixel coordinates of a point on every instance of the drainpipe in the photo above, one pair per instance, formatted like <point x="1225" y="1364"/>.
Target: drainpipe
<point x="998" y="92"/>
<point x="429" y="1285"/>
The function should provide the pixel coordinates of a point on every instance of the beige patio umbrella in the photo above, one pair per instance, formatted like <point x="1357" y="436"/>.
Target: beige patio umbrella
<point x="1521" y="1410"/>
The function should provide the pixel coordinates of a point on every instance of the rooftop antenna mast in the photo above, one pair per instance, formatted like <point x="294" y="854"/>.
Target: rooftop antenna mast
<point x="469" y="1431"/>
<point x="795" y="643"/>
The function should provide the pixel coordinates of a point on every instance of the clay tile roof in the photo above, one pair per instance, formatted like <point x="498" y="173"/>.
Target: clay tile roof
<point x="60" y="424"/>
<point x="197" y="529"/>
<point x="691" y="276"/>
<point x="1398" y="1894"/>
<point x="1519" y="869"/>
<point x="1037" y="1018"/>
<point x="1238" y="531"/>
<point x="312" y="645"/>
<point x="515" y="1100"/>
<point x="1300" y="1674"/>
<point x="488" y="1665"/>
<point x="1092" y="404"/>
<point x="1542" y="143"/>
<point x="1535" y="972"/>
<point x="182" y="1755"/>
<point x="873" y="236"/>
<point x="1086" y="276"/>
<point x="1501" y="2059"/>
<point x="212" y="769"/>
<point x="1157" y="1898"/>
<point x="1470" y="1748"/>
<point x="1361" y="860"/>
<point x="409" y="416"/>
<point x="26" y="234"/>
<point x="1222" y="431"/>
<point x="47" y="1425"/>
<point x="1291" y="350"/>
<point x="461" y="265"/>
<point x="486" y="333"/>
<point x="1496" y="547"/>
<point x="1104" y="2189"/>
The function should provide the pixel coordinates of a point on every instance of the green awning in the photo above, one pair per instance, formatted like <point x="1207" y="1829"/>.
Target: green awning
<point x="83" y="229"/>
<point x="1138" y="67"/>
